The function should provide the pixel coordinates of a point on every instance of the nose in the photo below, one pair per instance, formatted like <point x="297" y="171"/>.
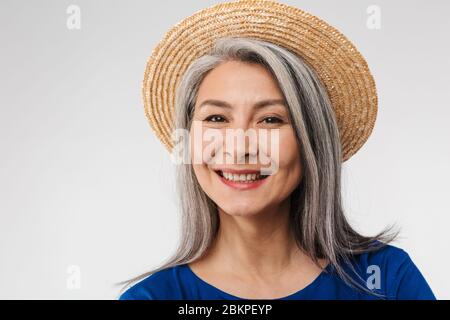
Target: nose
<point x="240" y="143"/>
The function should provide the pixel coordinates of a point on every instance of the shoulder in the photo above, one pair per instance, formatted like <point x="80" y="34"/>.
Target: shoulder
<point x="385" y="256"/>
<point x="162" y="284"/>
<point x="391" y="269"/>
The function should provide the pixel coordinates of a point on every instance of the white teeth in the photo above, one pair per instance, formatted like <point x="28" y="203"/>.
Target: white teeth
<point x="241" y="177"/>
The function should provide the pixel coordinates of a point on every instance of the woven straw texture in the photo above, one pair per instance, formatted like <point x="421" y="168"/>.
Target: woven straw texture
<point x="340" y="66"/>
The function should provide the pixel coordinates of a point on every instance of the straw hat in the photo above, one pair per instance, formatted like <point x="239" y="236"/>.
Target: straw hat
<point x="340" y="66"/>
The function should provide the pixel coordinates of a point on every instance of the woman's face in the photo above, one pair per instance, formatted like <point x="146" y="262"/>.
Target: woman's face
<point x="239" y="87"/>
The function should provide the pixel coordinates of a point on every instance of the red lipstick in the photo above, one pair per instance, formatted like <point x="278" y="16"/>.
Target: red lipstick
<point x="241" y="185"/>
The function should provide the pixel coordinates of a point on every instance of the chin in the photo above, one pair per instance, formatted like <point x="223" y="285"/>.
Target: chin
<point x="241" y="210"/>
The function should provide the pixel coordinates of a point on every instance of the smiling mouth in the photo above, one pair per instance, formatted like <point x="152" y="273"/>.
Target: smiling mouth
<point x="241" y="178"/>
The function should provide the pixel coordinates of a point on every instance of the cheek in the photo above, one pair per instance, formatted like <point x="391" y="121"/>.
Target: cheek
<point x="202" y="174"/>
<point x="206" y="178"/>
<point x="289" y="155"/>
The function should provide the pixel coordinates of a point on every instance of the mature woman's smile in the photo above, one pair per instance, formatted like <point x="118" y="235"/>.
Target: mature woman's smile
<point x="241" y="179"/>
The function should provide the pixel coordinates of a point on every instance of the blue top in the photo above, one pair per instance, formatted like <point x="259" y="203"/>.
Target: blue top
<point x="389" y="271"/>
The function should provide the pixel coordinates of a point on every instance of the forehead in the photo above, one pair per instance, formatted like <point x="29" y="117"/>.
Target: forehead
<point x="239" y="83"/>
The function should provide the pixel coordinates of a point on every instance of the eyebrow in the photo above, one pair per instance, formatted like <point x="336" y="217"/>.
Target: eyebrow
<point x="258" y="105"/>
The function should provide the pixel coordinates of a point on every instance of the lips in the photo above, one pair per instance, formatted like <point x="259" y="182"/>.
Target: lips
<point x="241" y="179"/>
<point x="241" y="175"/>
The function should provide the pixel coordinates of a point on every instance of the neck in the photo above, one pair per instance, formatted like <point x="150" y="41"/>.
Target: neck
<point x="260" y="244"/>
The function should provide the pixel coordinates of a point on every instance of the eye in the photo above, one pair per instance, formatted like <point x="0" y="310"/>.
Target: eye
<point x="214" y="118"/>
<point x="272" y="120"/>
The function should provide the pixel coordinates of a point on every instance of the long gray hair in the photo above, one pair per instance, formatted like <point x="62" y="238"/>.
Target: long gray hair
<point x="317" y="217"/>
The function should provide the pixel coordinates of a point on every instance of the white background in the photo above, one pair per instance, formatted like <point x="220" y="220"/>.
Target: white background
<point x="84" y="182"/>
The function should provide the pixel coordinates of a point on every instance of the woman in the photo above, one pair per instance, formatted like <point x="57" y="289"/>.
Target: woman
<point x="283" y="235"/>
